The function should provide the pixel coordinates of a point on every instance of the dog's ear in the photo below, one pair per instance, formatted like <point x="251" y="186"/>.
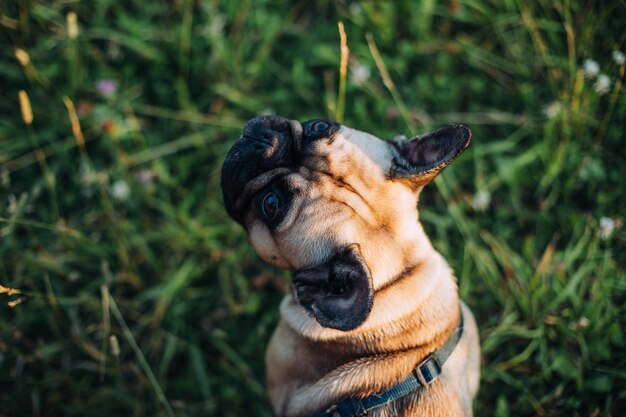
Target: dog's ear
<point x="338" y="294"/>
<point x="420" y="159"/>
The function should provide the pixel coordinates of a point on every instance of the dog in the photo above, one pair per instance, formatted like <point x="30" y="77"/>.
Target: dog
<point x="373" y="325"/>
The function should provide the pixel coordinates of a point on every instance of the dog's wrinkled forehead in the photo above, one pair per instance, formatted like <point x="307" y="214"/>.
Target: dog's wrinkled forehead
<point x="272" y="146"/>
<point x="364" y="147"/>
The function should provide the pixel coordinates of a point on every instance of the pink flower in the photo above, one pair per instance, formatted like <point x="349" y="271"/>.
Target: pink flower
<point x="106" y="87"/>
<point x="145" y="176"/>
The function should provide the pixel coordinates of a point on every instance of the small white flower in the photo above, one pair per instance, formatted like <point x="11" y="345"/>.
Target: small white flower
<point x="553" y="109"/>
<point x="591" y="68"/>
<point x="359" y="73"/>
<point x="120" y="190"/>
<point x="618" y="57"/>
<point x="607" y="226"/>
<point x="216" y="27"/>
<point x="355" y="9"/>
<point x="481" y="200"/>
<point x="581" y="323"/>
<point x="602" y="84"/>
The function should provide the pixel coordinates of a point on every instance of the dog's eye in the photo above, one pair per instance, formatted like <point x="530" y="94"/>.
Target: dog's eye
<point x="270" y="205"/>
<point x="320" y="127"/>
<point x="316" y="128"/>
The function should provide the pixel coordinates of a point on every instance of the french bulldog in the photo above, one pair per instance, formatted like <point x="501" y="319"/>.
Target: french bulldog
<point x="371" y="299"/>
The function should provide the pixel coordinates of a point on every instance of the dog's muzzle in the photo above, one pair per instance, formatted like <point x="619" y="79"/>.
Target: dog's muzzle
<point x="267" y="143"/>
<point x="338" y="293"/>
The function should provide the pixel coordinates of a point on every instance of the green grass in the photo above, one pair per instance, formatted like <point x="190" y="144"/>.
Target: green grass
<point x="140" y="297"/>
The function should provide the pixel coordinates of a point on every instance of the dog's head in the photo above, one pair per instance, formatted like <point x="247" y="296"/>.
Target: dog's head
<point x="334" y="205"/>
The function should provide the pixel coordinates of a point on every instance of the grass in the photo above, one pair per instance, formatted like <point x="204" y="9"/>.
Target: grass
<point x="136" y="295"/>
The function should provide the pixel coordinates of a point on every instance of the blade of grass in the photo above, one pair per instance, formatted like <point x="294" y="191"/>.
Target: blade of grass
<point x="128" y="335"/>
<point x="343" y="69"/>
<point x="382" y="68"/>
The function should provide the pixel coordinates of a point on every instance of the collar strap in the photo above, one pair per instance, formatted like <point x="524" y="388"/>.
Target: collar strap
<point x="422" y="375"/>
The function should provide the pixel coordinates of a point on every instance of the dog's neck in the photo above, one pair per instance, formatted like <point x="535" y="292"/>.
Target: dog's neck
<point x="387" y="346"/>
<point x="430" y="281"/>
<point x="428" y="288"/>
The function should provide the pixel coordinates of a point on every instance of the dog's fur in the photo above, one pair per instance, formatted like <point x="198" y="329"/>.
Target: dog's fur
<point x="371" y="296"/>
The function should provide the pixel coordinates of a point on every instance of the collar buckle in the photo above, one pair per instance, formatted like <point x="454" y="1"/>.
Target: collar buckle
<point x="428" y="370"/>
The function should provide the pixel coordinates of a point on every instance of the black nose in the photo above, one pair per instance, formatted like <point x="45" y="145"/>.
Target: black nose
<point x="267" y="142"/>
<point x="268" y="130"/>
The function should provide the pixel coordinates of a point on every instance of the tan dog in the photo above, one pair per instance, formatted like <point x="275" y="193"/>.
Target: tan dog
<point x="371" y="298"/>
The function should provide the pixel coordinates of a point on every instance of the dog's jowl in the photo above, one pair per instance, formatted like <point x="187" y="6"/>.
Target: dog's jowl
<point x="373" y="325"/>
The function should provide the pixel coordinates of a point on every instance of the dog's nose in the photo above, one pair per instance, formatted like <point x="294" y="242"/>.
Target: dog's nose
<point x="271" y="130"/>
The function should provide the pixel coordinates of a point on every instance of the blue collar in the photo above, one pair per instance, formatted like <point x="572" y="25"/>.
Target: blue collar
<point x="422" y="375"/>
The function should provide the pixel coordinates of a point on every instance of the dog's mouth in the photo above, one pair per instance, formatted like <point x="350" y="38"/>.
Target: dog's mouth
<point x="338" y="293"/>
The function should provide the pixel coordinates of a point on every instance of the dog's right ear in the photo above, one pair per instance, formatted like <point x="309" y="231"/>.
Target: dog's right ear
<point x="338" y="293"/>
<point x="419" y="160"/>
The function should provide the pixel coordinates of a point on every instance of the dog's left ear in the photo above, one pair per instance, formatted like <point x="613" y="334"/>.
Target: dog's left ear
<point x="419" y="160"/>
